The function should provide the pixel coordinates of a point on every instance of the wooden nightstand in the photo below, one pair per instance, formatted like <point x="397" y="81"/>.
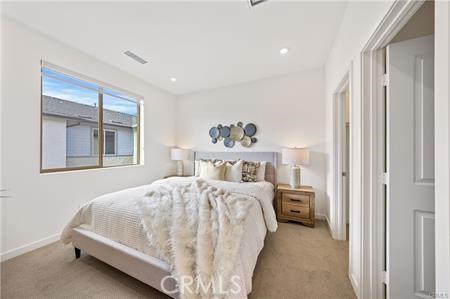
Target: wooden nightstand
<point x="295" y="204"/>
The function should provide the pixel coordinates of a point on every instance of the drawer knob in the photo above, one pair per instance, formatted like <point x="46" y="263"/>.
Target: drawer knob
<point x="295" y="199"/>
<point x="294" y="211"/>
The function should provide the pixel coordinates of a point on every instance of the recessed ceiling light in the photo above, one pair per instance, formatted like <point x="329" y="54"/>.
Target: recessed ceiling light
<point x="284" y="51"/>
<point x="173" y="79"/>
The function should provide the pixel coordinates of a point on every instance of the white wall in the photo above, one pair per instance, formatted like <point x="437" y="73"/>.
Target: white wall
<point x="360" y="21"/>
<point x="41" y="204"/>
<point x="287" y="110"/>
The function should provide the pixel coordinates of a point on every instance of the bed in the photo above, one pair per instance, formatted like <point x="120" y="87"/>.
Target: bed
<point x="110" y="229"/>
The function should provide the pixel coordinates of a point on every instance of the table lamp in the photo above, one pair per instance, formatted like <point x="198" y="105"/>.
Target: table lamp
<point x="179" y="155"/>
<point x="295" y="157"/>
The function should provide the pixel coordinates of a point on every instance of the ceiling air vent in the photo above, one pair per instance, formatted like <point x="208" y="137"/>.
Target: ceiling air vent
<point x="256" y="2"/>
<point x="135" y="57"/>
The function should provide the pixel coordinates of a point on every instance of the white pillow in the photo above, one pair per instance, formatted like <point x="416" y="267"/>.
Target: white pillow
<point x="261" y="172"/>
<point x="209" y="171"/>
<point x="233" y="171"/>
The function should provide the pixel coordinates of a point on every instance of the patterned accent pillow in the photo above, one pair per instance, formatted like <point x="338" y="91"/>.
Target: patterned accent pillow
<point x="249" y="171"/>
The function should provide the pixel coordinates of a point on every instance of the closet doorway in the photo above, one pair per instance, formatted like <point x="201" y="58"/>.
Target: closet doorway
<point x="342" y="159"/>
<point x="346" y="161"/>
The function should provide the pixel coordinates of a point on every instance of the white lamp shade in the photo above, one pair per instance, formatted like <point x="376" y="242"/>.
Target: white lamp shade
<point x="179" y="154"/>
<point x="295" y="156"/>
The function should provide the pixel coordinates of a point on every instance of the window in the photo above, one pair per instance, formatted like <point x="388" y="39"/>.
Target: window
<point x="74" y="109"/>
<point x="109" y="142"/>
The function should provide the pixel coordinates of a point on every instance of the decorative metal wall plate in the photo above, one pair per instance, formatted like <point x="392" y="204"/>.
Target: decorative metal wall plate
<point x="246" y="141"/>
<point x="214" y="132"/>
<point x="234" y="133"/>
<point x="250" y="130"/>
<point x="228" y="142"/>
<point x="225" y="132"/>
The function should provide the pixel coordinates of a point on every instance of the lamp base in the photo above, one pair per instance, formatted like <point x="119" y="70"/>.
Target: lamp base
<point x="179" y="168"/>
<point x="295" y="177"/>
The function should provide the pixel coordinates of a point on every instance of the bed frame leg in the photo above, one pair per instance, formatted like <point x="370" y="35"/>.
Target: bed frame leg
<point x="77" y="253"/>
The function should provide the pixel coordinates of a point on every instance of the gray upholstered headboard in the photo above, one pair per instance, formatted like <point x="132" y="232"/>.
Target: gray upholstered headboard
<point x="269" y="157"/>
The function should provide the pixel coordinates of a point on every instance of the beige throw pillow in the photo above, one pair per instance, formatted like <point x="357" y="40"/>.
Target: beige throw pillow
<point x="233" y="171"/>
<point x="261" y="172"/>
<point x="211" y="171"/>
<point x="204" y="163"/>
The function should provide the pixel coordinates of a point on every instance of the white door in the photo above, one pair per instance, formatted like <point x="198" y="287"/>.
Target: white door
<point x="347" y="176"/>
<point x="410" y="169"/>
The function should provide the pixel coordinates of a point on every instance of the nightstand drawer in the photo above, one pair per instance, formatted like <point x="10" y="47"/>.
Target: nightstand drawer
<point x="295" y="199"/>
<point x="294" y="210"/>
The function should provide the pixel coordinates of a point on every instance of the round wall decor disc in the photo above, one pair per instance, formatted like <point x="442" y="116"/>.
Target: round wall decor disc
<point x="236" y="133"/>
<point x="214" y="132"/>
<point x="228" y="142"/>
<point x="246" y="141"/>
<point x="225" y="132"/>
<point x="250" y="129"/>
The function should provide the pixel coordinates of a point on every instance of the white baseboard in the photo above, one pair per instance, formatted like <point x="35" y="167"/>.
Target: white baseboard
<point x="330" y="228"/>
<point x="320" y="216"/>
<point x="29" y="247"/>
<point x="354" y="284"/>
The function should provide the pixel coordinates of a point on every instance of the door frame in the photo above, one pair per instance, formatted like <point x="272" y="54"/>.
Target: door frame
<point x="340" y="218"/>
<point x="372" y="146"/>
<point x="442" y="150"/>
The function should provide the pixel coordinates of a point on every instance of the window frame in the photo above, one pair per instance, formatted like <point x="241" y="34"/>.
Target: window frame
<point x="139" y="103"/>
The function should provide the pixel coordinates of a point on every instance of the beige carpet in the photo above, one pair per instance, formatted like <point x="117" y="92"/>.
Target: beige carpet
<point x="296" y="262"/>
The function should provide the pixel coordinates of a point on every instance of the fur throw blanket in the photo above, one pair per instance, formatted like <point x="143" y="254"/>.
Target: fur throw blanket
<point x="198" y="229"/>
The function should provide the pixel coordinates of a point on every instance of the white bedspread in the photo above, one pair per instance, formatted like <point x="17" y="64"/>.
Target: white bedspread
<point x="115" y="216"/>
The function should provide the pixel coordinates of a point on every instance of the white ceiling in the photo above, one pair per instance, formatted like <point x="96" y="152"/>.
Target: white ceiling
<point x="203" y="44"/>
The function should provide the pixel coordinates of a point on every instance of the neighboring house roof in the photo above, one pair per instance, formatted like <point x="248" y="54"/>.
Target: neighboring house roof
<point x="62" y="108"/>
